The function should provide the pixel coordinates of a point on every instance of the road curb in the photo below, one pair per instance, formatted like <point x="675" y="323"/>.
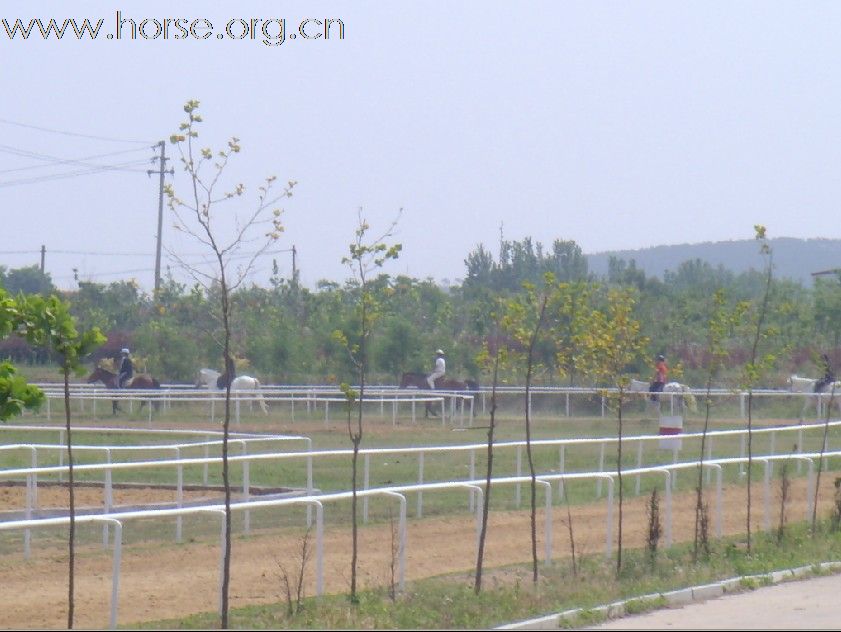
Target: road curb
<point x="680" y="597"/>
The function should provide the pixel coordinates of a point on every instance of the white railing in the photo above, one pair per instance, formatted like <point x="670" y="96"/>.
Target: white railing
<point x="312" y="396"/>
<point x="452" y="404"/>
<point x="476" y="486"/>
<point x="310" y="458"/>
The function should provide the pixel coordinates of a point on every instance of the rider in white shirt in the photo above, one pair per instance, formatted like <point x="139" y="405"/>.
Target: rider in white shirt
<point x="440" y="369"/>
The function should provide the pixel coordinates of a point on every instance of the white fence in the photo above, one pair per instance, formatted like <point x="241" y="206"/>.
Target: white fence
<point x="310" y="458"/>
<point x="455" y="406"/>
<point x="476" y="486"/>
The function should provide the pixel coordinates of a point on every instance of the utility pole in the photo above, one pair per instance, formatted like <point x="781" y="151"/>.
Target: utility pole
<point x="43" y="255"/>
<point x="294" y="267"/>
<point x="161" y="171"/>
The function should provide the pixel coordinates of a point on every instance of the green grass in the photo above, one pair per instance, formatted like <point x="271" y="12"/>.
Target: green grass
<point x="449" y="602"/>
<point x="333" y="473"/>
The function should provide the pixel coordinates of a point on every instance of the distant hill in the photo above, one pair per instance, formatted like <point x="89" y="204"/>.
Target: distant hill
<point x="794" y="259"/>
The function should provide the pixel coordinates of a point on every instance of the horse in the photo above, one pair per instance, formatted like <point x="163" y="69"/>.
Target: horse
<point x="214" y="379"/>
<point x="687" y="398"/>
<point x="139" y="381"/>
<point x="418" y="380"/>
<point x="806" y="386"/>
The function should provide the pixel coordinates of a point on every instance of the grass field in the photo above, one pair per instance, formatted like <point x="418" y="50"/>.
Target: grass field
<point x="333" y="474"/>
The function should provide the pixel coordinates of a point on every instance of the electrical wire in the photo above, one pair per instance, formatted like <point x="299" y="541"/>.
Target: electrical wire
<point x="54" y="160"/>
<point x="66" y="133"/>
<point x="73" y="174"/>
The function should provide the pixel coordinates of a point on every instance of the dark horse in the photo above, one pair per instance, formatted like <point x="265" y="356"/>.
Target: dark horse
<point x="109" y="379"/>
<point x="418" y="380"/>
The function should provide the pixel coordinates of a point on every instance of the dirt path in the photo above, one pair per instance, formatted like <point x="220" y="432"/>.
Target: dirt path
<point x="13" y="498"/>
<point x="164" y="580"/>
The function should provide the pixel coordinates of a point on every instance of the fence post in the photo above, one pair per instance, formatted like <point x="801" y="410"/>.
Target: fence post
<point x="766" y="518"/>
<point x="365" y="479"/>
<point x="561" y="468"/>
<point x="246" y="488"/>
<point x="547" y="527"/>
<point x="639" y="465"/>
<point x="601" y="469"/>
<point x="668" y="489"/>
<point x="609" y="526"/>
<point x="519" y="472"/>
<point x="109" y="498"/>
<point x="472" y="475"/>
<point x="179" y="496"/>
<point x="420" y="481"/>
<point x="115" y="573"/>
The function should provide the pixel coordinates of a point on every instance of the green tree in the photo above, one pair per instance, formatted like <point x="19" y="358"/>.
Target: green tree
<point x="27" y="280"/>
<point x="570" y="316"/>
<point x="611" y="346"/>
<point x="827" y="308"/>
<point x="47" y="322"/>
<point x="15" y="394"/>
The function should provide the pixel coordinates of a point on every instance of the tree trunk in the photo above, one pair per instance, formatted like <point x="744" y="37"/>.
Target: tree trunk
<point x="71" y="601"/>
<point x="486" y="500"/>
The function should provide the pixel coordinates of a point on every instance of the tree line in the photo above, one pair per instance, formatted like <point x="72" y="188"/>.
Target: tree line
<point x="284" y="332"/>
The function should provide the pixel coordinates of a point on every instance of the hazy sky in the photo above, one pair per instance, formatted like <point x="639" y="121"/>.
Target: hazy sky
<point x="616" y="124"/>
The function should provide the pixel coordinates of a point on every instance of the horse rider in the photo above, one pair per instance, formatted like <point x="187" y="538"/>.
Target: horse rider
<point x="439" y="370"/>
<point x="126" y="371"/>
<point x="828" y="376"/>
<point x="661" y="370"/>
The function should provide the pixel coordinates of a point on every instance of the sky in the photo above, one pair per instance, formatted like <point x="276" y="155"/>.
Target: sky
<point x="615" y="124"/>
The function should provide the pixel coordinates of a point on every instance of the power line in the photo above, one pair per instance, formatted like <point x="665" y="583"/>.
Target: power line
<point x="53" y="160"/>
<point x="134" y="254"/>
<point x="73" y="174"/>
<point x="66" y="133"/>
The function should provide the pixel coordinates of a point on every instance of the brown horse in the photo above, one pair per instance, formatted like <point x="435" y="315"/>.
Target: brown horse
<point x="109" y="379"/>
<point x="418" y="380"/>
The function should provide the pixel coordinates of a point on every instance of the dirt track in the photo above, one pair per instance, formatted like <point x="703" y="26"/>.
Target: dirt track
<point x="167" y="581"/>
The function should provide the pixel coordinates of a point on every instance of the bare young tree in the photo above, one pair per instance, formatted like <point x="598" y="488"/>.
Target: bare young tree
<point x="366" y="256"/>
<point x="490" y="358"/>
<point x="295" y="583"/>
<point x="758" y="362"/>
<point x="523" y="322"/>
<point x="720" y="323"/>
<point x="821" y="458"/>
<point x="241" y="234"/>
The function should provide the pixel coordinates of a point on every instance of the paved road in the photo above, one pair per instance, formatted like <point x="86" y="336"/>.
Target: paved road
<point x="807" y="605"/>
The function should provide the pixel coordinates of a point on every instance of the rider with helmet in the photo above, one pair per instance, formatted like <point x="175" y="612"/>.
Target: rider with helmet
<point x="828" y="376"/>
<point x="439" y="370"/>
<point x="126" y="371"/>
<point x="661" y="370"/>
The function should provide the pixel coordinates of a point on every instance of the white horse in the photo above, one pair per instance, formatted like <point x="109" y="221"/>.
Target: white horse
<point x="210" y="379"/>
<point x="806" y="386"/>
<point x="687" y="398"/>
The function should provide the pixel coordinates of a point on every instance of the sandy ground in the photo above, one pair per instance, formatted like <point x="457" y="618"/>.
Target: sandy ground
<point x="804" y="605"/>
<point x="165" y="580"/>
<point x="13" y="498"/>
